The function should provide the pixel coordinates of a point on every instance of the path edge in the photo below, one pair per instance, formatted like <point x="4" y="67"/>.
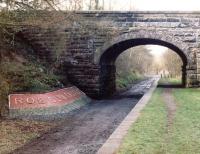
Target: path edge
<point x="113" y="143"/>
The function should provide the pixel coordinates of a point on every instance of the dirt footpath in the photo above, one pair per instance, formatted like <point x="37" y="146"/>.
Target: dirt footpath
<point x="84" y="131"/>
<point x="171" y="106"/>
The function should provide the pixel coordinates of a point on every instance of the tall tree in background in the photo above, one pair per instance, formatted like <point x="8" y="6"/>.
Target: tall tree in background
<point x="138" y="60"/>
<point x="110" y="4"/>
<point x="96" y="5"/>
<point x="75" y="5"/>
<point x="173" y="63"/>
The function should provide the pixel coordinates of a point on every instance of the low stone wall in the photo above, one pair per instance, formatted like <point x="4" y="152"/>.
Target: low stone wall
<point x="50" y="105"/>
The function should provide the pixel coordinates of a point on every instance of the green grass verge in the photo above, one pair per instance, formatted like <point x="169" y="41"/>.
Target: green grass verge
<point x="146" y="135"/>
<point x="172" y="81"/>
<point x="185" y="137"/>
<point x="123" y="81"/>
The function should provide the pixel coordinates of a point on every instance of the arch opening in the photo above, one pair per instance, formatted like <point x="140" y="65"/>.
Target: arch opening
<point x="109" y="56"/>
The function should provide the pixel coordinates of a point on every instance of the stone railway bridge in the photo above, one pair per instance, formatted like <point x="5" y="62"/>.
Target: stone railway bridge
<point x="88" y="58"/>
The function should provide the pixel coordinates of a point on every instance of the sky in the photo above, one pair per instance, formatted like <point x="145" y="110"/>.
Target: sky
<point x="146" y="5"/>
<point x="160" y="5"/>
<point x="152" y="5"/>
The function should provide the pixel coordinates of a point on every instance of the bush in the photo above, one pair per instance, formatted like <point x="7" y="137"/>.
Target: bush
<point x="124" y="80"/>
<point x="26" y="77"/>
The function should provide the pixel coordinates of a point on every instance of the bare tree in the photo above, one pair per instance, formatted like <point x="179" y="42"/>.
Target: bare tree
<point x="96" y="5"/>
<point x="173" y="63"/>
<point x="136" y="59"/>
<point x="75" y="5"/>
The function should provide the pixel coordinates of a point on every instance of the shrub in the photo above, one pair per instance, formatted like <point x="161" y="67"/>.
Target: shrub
<point x="26" y="77"/>
<point x="124" y="80"/>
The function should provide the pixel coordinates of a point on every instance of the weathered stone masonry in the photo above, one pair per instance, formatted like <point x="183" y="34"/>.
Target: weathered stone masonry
<point x="89" y="58"/>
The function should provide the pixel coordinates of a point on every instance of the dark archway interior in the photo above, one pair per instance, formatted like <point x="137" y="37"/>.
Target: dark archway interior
<point x="108" y="58"/>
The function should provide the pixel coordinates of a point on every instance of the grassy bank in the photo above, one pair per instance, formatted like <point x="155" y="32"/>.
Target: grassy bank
<point x="16" y="133"/>
<point x="24" y="77"/>
<point x="148" y="134"/>
<point x="124" y="80"/>
<point x="170" y="81"/>
<point x="186" y="130"/>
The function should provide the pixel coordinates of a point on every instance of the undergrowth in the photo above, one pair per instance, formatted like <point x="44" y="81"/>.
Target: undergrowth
<point x="124" y="80"/>
<point x="26" y="77"/>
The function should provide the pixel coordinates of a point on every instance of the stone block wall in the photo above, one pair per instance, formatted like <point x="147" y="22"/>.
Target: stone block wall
<point x="81" y="51"/>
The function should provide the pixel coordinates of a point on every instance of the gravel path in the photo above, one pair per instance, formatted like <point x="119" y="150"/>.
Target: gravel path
<point x="85" y="130"/>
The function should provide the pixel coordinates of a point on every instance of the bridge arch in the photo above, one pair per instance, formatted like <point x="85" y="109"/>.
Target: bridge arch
<point x="108" y="54"/>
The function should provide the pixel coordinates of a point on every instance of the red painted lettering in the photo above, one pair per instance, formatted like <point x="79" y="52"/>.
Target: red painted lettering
<point x="40" y="101"/>
<point x="30" y="100"/>
<point x="18" y="101"/>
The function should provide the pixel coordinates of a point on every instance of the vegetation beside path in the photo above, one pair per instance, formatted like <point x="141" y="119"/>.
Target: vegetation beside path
<point x="124" y="81"/>
<point x="16" y="133"/>
<point x="170" y="81"/>
<point x="148" y="135"/>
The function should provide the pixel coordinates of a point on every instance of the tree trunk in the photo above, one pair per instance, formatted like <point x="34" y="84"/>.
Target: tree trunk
<point x="96" y="4"/>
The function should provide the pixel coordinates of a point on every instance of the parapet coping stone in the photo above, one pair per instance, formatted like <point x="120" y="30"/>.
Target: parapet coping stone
<point x="135" y="12"/>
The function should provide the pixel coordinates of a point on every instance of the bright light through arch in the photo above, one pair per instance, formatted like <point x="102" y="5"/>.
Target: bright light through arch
<point x="156" y="50"/>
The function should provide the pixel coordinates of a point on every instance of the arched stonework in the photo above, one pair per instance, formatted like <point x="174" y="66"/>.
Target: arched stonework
<point x="163" y="36"/>
<point x="112" y="49"/>
<point x="85" y="54"/>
